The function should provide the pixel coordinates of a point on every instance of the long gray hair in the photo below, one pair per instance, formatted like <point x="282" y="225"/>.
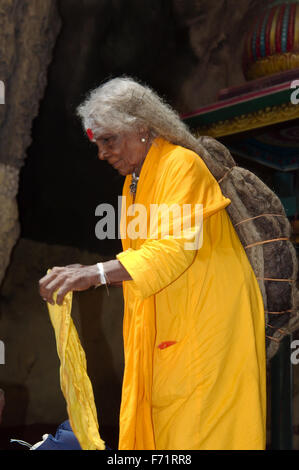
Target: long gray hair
<point x="122" y="104"/>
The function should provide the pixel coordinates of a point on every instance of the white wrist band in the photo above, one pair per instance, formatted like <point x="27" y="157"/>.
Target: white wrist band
<point x="102" y="273"/>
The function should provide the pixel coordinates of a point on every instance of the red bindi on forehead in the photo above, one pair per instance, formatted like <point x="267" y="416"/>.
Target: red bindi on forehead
<point x="90" y="134"/>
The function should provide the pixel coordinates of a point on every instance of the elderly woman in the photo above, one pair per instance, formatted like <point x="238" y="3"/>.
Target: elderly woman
<point x="194" y="336"/>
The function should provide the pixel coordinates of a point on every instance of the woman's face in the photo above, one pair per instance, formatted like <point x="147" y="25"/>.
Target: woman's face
<point x="124" y="151"/>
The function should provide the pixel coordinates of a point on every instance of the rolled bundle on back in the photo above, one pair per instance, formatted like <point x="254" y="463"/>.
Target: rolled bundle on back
<point x="264" y="231"/>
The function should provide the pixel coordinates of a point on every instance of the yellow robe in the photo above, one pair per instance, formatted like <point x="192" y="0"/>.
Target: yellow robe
<point x="208" y="389"/>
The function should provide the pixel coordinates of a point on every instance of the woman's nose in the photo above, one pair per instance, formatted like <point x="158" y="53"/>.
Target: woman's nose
<point x="102" y="154"/>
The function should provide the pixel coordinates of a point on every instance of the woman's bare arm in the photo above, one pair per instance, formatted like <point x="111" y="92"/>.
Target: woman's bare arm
<point x="79" y="278"/>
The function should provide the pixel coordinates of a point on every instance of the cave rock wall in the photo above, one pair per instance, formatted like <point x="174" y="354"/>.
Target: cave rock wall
<point x="28" y="30"/>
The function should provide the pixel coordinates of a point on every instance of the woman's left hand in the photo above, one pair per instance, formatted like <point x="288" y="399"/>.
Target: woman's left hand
<point x="66" y="279"/>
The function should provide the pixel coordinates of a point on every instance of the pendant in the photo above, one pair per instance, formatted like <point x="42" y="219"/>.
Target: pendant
<point x="133" y="185"/>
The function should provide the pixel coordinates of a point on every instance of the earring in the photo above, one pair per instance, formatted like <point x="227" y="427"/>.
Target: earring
<point x="143" y="140"/>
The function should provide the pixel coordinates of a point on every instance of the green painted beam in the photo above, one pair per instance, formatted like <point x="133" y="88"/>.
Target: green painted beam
<point x="224" y="112"/>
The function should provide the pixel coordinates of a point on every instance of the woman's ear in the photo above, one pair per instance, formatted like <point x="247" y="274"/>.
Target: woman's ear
<point x="144" y="133"/>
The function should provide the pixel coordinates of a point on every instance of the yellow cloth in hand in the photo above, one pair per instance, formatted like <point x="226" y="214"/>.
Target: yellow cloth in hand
<point x="75" y="384"/>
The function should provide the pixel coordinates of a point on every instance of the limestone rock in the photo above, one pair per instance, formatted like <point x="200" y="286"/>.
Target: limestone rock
<point x="28" y="30"/>
<point x="9" y="225"/>
<point x="216" y="33"/>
